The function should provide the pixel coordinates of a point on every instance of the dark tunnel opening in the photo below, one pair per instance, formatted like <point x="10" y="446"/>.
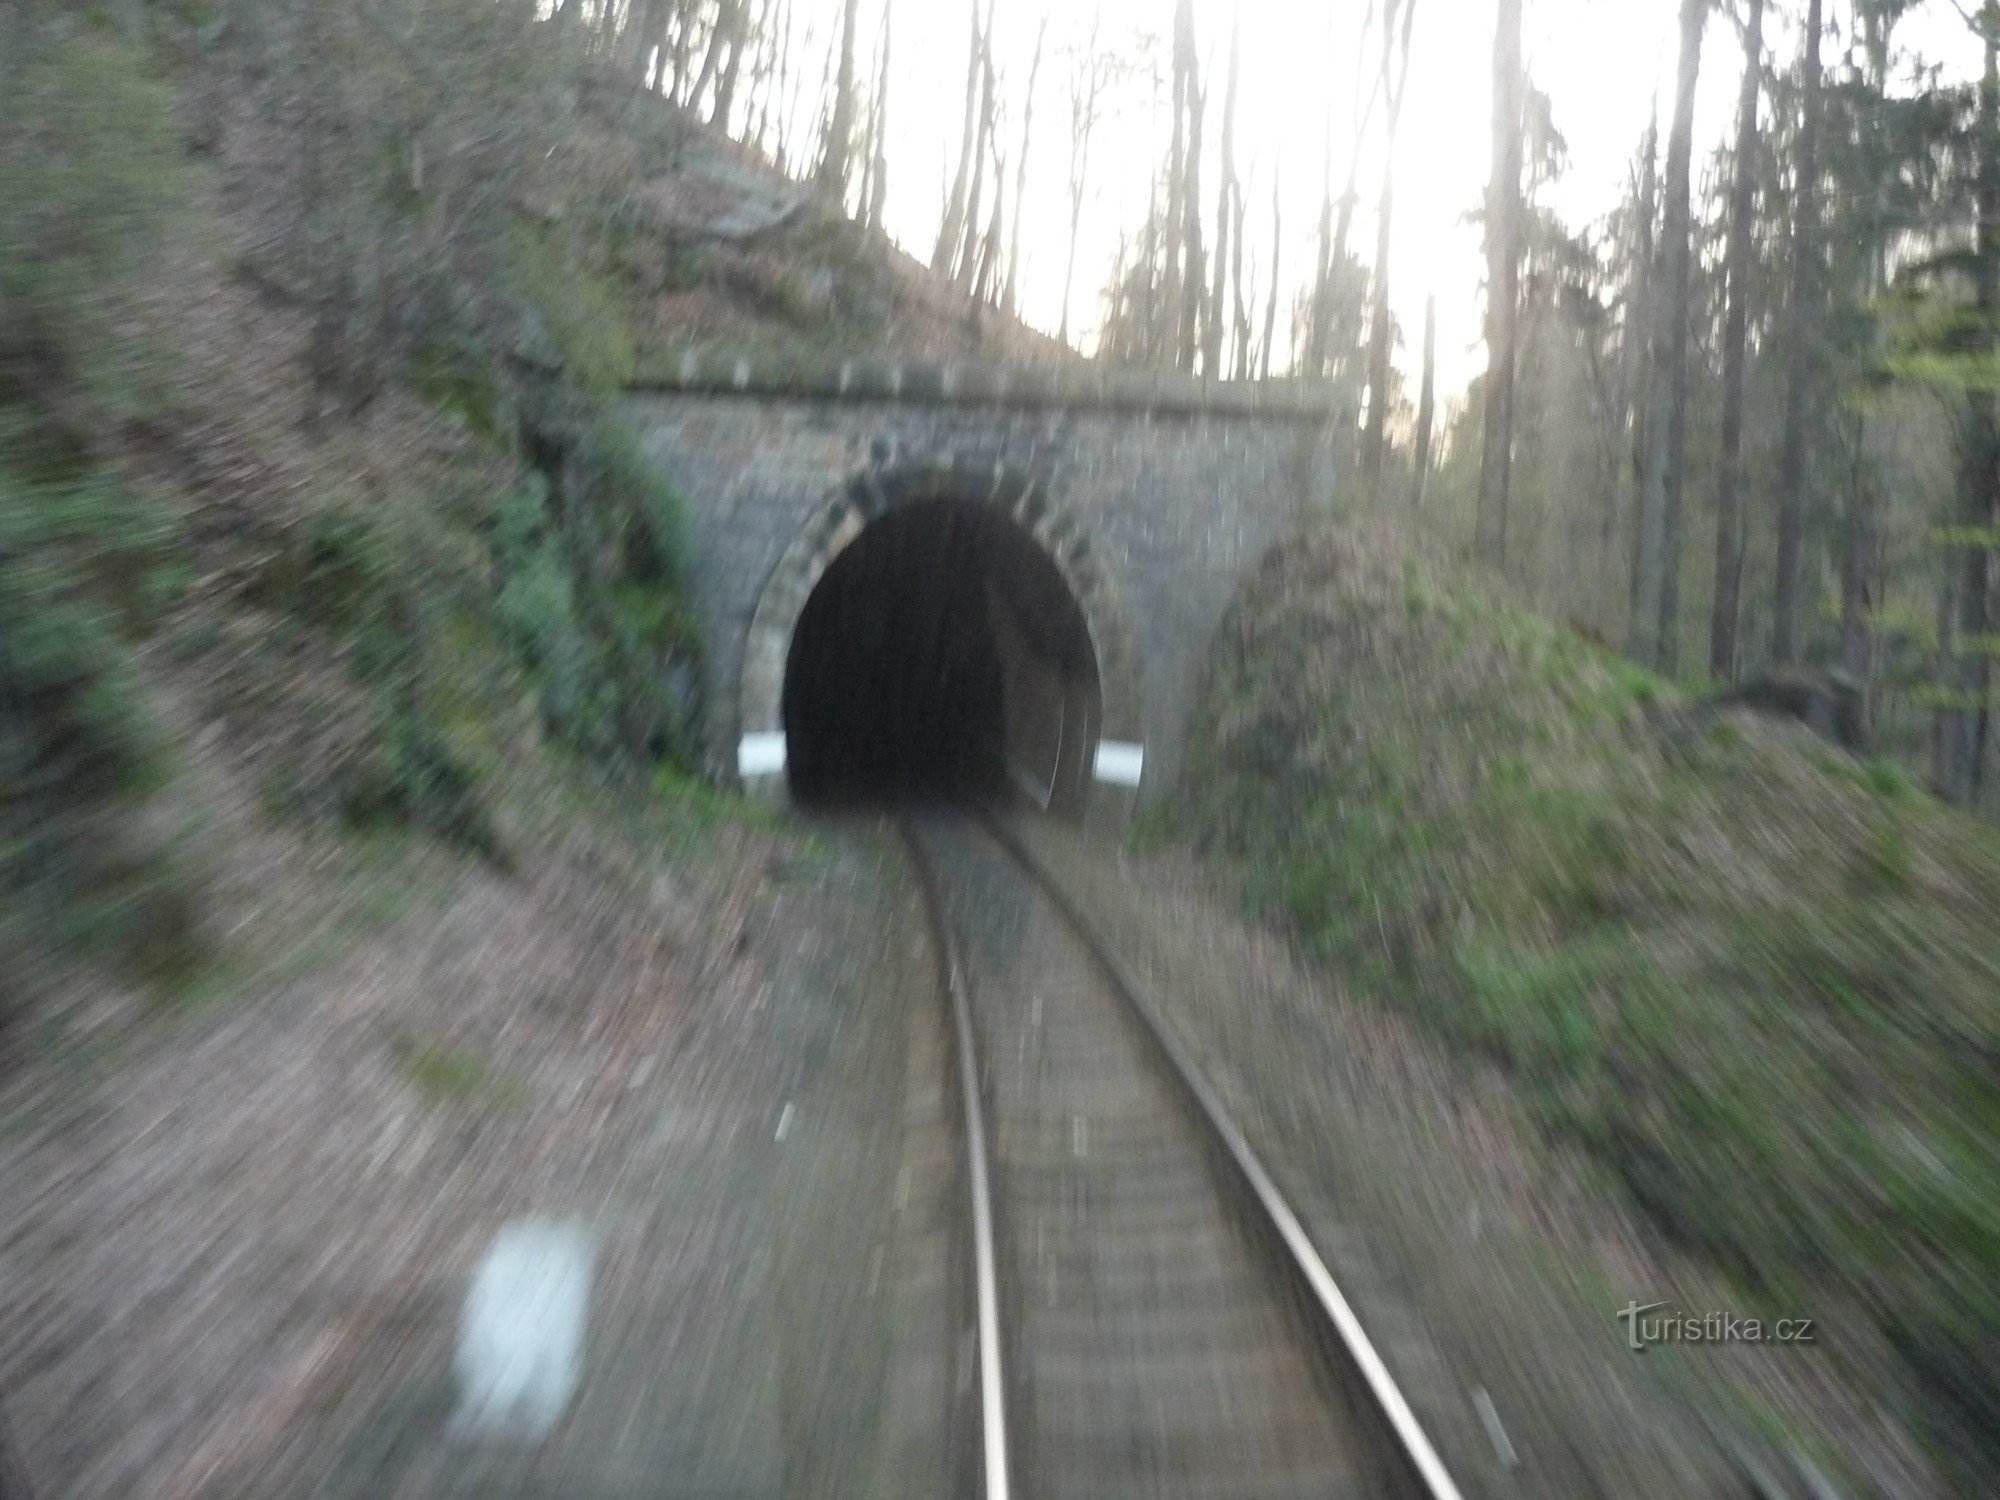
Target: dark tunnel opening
<point x="942" y="657"/>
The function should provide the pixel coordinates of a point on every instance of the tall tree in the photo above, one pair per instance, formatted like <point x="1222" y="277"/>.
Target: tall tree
<point x="1021" y="171"/>
<point x="776" y="70"/>
<point x="1962" y="723"/>
<point x="1240" y="321"/>
<point x="733" y="23"/>
<point x="1503" y="265"/>
<point x="1654" y="627"/>
<point x="982" y="259"/>
<point x="1277" y="252"/>
<point x="1091" y="74"/>
<point x="878" y="167"/>
<point x="1227" y="205"/>
<point x="1728" y="498"/>
<point x="1420" y="457"/>
<point x="967" y="269"/>
<point x="838" y="149"/>
<point x="643" y="30"/>
<point x="1877" y="19"/>
<point x="952" y="228"/>
<point x="1187" y="207"/>
<point x="1642" y="287"/>
<point x="1800" y="328"/>
<point x="1395" y="78"/>
<point x="1336" y="216"/>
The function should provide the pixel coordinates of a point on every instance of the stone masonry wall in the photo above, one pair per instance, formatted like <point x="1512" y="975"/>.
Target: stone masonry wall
<point x="1175" y="503"/>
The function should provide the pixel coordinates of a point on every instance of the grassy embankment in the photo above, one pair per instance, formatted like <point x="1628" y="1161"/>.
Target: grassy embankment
<point x="342" y="516"/>
<point x="1755" y="981"/>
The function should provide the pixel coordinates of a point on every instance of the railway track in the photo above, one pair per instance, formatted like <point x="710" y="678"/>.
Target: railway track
<point x="1152" y="1318"/>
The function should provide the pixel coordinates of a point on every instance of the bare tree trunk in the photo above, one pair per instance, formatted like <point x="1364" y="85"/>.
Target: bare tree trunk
<point x="1211" y="354"/>
<point x="738" y="14"/>
<point x="1189" y="206"/>
<point x="1426" y="404"/>
<point x="1672" y="552"/>
<point x="953" y="225"/>
<point x="762" y="71"/>
<point x="682" y="54"/>
<point x="1799" y="323"/>
<point x="711" y="55"/>
<point x="1085" y="92"/>
<point x="643" y="30"/>
<point x="871" y="140"/>
<point x="1333" y="242"/>
<point x="1277" y="255"/>
<point x="1165" y="336"/>
<point x="1313" y="358"/>
<point x="1650" y="637"/>
<point x="966" y="272"/>
<point x="838" y="149"/>
<point x="776" y="78"/>
<point x="1736" y="321"/>
<point x="984" y="277"/>
<point x="1374" y="443"/>
<point x="1241" y="319"/>
<point x="1856" y="546"/>
<point x="1944" y="723"/>
<point x="1639" y="338"/>
<point x="1858" y="539"/>
<point x="878" y="170"/>
<point x="1503" y="207"/>
<point x="1009" y="297"/>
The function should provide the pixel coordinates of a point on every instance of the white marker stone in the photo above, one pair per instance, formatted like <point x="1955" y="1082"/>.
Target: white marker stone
<point x="761" y="754"/>
<point x="1119" y="762"/>
<point x="521" y="1337"/>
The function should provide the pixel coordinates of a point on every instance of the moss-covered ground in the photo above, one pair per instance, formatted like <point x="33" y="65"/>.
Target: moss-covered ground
<point x="1755" y="980"/>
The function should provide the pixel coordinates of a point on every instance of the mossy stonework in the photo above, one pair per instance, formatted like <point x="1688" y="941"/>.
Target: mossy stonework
<point x="1150" y="497"/>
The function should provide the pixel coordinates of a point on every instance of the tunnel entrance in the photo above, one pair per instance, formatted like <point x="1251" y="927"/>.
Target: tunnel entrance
<point x="941" y="657"/>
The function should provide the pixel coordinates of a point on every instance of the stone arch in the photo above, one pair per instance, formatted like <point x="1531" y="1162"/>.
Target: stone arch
<point x="840" y="520"/>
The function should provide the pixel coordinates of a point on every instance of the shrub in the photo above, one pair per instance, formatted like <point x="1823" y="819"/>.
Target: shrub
<point x="1753" y="979"/>
<point x="95" y="191"/>
<point x="79" y="874"/>
<point x="591" y="594"/>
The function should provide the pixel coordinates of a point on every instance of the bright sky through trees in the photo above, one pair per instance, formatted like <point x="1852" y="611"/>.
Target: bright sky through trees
<point x="1602" y="62"/>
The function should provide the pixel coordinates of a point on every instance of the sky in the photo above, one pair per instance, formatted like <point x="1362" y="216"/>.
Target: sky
<point x="1603" y="64"/>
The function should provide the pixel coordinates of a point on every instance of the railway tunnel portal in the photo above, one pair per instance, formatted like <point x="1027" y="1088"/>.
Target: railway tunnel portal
<point x="968" y="582"/>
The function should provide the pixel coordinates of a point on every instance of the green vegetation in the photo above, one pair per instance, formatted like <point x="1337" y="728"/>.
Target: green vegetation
<point x="79" y="751"/>
<point x="97" y="193"/>
<point x="591" y="600"/>
<point x="375" y="636"/>
<point x="441" y="603"/>
<point x="88" y="563"/>
<point x="1753" y="980"/>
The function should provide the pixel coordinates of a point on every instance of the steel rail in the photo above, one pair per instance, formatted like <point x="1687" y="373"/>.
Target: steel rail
<point x="1413" y="1444"/>
<point x="986" y="1269"/>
